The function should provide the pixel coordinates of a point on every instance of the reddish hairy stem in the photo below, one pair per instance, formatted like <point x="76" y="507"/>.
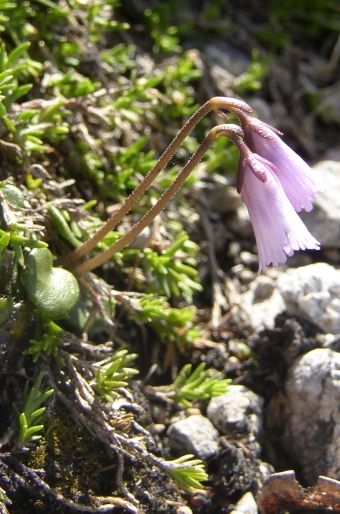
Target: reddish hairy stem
<point x="214" y="104"/>
<point x="126" y="239"/>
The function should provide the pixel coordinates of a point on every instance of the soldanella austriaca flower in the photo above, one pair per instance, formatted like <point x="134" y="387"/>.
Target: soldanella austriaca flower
<point x="294" y="174"/>
<point x="273" y="180"/>
<point x="278" y="229"/>
<point x="275" y="184"/>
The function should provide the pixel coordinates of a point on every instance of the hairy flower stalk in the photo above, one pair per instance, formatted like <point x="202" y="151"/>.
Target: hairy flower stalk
<point x="221" y="130"/>
<point x="214" y="104"/>
<point x="274" y="181"/>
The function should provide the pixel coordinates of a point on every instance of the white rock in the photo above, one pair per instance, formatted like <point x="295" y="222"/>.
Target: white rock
<point x="183" y="509"/>
<point x="324" y="220"/>
<point x="313" y="291"/>
<point x="238" y="413"/>
<point x="261" y="303"/>
<point x="194" y="434"/>
<point x="312" y="414"/>
<point x="246" y="505"/>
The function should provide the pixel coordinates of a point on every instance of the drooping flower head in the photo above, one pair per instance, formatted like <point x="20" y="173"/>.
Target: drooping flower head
<point x="295" y="176"/>
<point x="278" y="229"/>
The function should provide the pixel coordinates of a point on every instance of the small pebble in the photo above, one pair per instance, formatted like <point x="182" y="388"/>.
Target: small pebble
<point x="183" y="509"/>
<point x="246" y="505"/>
<point x="194" y="434"/>
<point x="237" y="413"/>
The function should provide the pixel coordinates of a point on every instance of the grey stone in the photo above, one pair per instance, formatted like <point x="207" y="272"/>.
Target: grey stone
<point x="227" y="57"/>
<point x="332" y="154"/>
<point x="261" y="303"/>
<point x="237" y="413"/>
<point x="312" y="414"/>
<point x="324" y="220"/>
<point x="216" y="190"/>
<point x="240" y="223"/>
<point x="194" y="434"/>
<point x="262" y="111"/>
<point x="313" y="291"/>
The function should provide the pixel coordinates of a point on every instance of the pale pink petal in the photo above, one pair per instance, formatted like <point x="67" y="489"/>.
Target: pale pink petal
<point x="296" y="177"/>
<point x="278" y="229"/>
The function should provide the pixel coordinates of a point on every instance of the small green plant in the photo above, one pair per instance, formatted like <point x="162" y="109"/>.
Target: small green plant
<point x="114" y="374"/>
<point x="187" y="471"/>
<point x="16" y="242"/>
<point x="48" y="343"/>
<point x="170" y="324"/>
<point x="6" y="309"/>
<point x="172" y="272"/>
<point x="252" y="78"/>
<point x="14" y="231"/>
<point x="197" y="385"/>
<point x="289" y="19"/>
<point x="31" y="129"/>
<point x="60" y="221"/>
<point x="14" y="66"/>
<point x="165" y="38"/>
<point x="131" y="161"/>
<point x="31" y="416"/>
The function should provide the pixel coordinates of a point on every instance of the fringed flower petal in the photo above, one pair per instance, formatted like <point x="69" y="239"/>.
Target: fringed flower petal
<point x="278" y="229"/>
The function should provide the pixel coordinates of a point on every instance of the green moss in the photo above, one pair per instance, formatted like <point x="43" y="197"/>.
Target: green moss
<point x="72" y="459"/>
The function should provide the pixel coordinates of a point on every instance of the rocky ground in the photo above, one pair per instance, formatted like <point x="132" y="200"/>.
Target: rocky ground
<point x="266" y="441"/>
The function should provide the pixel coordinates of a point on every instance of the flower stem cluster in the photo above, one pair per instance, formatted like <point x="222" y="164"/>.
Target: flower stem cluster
<point x="273" y="180"/>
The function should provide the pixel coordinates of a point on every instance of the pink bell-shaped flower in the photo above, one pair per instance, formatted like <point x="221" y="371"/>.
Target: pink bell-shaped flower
<point x="278" y="229"/>
<point x="295" y="176"/>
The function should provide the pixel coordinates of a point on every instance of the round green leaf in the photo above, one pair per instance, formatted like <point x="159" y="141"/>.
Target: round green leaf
<point x="53" y="290"/>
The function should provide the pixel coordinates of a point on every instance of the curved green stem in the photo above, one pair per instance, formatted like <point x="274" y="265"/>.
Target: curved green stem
<point x="214" y="104"/>
<point x="231" y="131"/>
